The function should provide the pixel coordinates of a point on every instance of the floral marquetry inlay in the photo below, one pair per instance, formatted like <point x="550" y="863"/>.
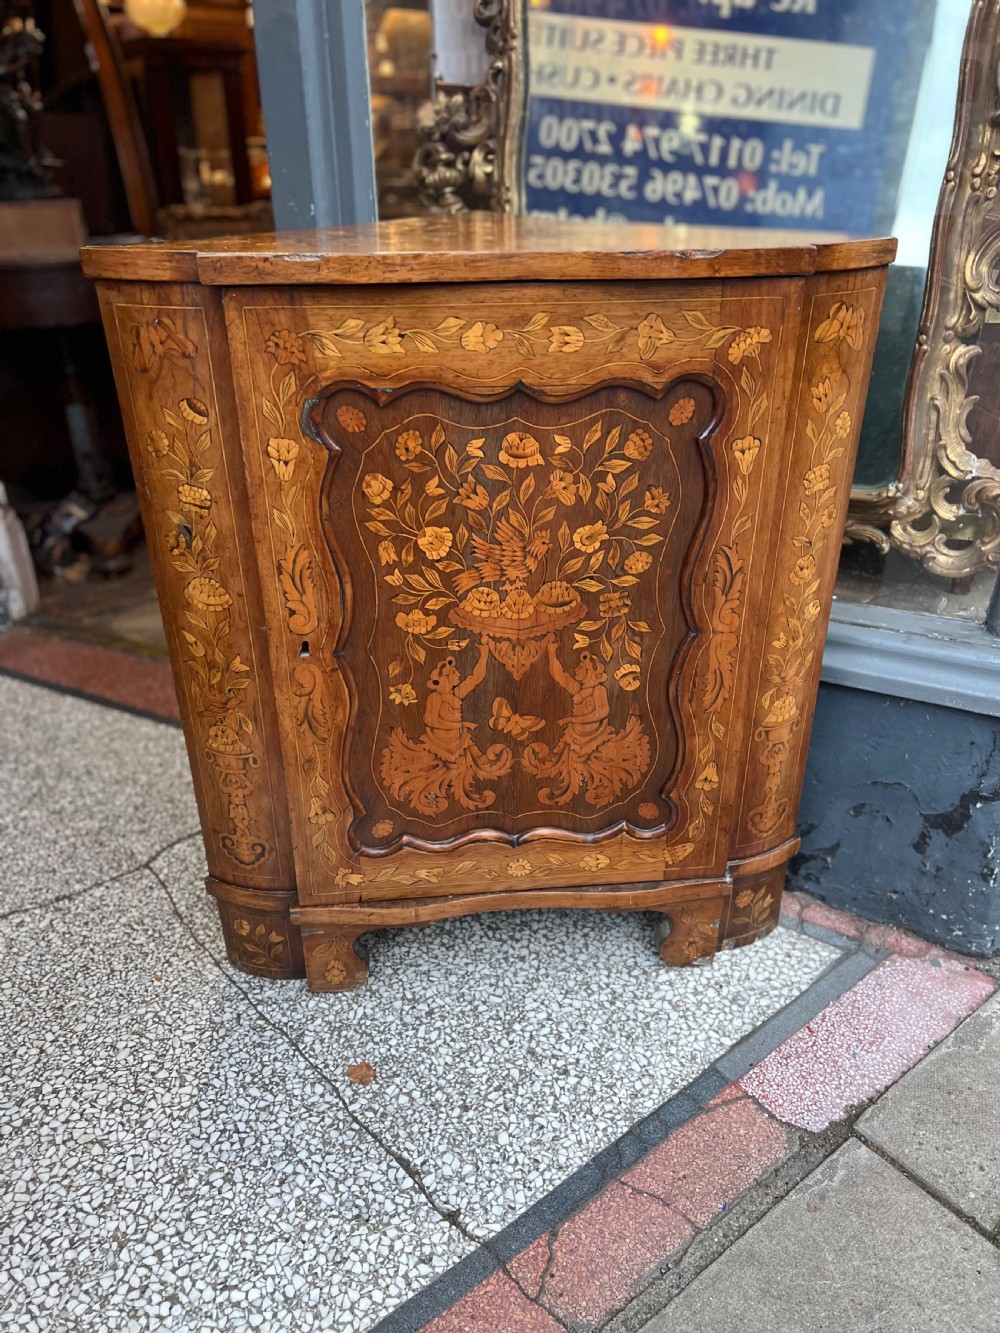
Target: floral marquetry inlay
<point x="495" y="570"/>
<point x="827" y="419"/>
<point x="509" y="633"/>
<point x="393" y="335"/>
<point x="522" y="585"/>
<point x="179" y="452"/>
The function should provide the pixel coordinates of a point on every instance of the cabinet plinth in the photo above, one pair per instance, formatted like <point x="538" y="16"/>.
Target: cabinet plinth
<point x="484" y="592"/>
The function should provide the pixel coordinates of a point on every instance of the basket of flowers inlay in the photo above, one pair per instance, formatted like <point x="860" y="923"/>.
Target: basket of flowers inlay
<point x="517" y="605"/>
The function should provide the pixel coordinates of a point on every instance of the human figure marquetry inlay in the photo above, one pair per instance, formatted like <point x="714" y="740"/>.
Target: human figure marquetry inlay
<point x="527" y="553"/>
<point x="496" y="577"/>
<point x="591" y="757"/>
<point x="445" y="762"/>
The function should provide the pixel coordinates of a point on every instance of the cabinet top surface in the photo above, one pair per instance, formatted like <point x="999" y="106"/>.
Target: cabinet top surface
<point x="485" y="247"/>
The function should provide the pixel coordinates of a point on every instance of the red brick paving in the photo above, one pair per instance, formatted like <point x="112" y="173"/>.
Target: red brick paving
<point x="728" y="1094"/>
<point x="820" y="914"/>
<point x="796" y="906"/>
<point x="103" y="673"/>
<point x="600" y="1254"/>
<point x="495" y="1306"/>
<point x="712" y="1159"/>
<point x="860" y="1044"/>
<point x="791" y="905"/>
<point x="898" y="941"/>
<point x="528" y="1267"/>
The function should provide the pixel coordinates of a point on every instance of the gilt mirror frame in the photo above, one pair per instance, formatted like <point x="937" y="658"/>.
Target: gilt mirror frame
<point x="943" y="506"/>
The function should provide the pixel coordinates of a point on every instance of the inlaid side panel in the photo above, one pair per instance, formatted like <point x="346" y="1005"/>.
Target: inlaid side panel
<point x="171" y="366"/>
<point x="613" y="362"/>
<point x="829" y="393"/>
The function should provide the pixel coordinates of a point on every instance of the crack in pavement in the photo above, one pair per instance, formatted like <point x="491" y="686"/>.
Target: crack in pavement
<point x="941" y="1199"/>
<point x="73" y="894"/>
<point x="451" y="1216"/>
<point x="446" y="1214"/>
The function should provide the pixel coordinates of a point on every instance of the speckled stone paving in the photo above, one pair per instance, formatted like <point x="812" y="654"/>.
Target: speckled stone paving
<point x="169" y="1161"/>
<point x="866" y="1039"/>
<point x="513" y="1048"/>
<point x="181" y="1147"/>
<point x="86" y="793"/>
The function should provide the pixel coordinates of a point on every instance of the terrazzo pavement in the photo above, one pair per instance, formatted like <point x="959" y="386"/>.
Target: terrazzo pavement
<point x="91" y="670"/>
<point x="169" y="1161"/>
<point x="866" y="1039"/>
<point x="88" y="793"/>
<point x="499" y="1091"/>
<point x="183" y="1149"/>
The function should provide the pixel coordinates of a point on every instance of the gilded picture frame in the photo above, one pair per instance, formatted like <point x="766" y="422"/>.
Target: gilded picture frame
<point x="943" y="505"/>
<point x="943" y="508"/>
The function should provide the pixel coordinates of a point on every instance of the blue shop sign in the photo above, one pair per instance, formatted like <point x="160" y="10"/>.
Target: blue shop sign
<point x="774" y="113"/>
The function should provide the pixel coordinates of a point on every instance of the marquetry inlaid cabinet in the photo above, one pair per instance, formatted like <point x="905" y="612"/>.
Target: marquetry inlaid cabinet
<point x="495" y="557"/>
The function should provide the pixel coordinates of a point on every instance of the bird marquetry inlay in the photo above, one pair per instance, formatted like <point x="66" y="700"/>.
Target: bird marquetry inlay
<point x="520" y="563"/>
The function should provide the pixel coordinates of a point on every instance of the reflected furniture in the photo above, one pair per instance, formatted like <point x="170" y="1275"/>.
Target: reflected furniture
<point x="147" y="88"/>
<point x="495" y="557"/>
<point x="939" y="498"/>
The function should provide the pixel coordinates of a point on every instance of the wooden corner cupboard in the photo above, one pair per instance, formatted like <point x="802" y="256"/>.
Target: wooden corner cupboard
<point x="495" y="557"/>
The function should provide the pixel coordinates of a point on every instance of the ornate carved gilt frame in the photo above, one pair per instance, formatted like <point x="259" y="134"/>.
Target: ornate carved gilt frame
<point x="943" y="507"/>
<point x="467" y="157"/>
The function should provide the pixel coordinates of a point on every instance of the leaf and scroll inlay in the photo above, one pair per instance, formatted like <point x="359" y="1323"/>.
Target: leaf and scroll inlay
<point x="514" y="562"/>
<point x="390" y="335"/>
<point x="180" y="453"/>
<point x="298" y="584"/>
<point x="727" y="584"/>
<point x="535" y="547"/>
<point x="837" y="343"/>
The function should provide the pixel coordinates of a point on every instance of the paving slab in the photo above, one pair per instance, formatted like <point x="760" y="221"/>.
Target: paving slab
<point x="857" y="1247"/>
<point x="942" y="1121"/>
<point x="87" y="792"/>
<point x="168" y="1163"/>
<point x="512" y="1048"/>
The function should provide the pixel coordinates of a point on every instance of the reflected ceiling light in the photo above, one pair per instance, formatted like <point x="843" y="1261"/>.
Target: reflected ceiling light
<point x="661" y="35"/>
<point x="157" y="17"/>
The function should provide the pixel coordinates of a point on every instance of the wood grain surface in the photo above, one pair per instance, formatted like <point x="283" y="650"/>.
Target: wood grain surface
<point x="486" y="247"/>
<point x="486" y="595"/>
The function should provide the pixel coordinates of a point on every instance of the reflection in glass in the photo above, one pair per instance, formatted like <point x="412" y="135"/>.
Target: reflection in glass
<point x="399" y="58"/>
<point x="896" y="580"/>
<point x="808" y="116"/>
<point x="798" y="115"/>
<point x="777" y="114"/>
<point x="923" y="171"/>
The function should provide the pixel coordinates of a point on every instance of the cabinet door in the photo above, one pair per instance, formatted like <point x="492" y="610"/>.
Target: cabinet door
<point x="507" y="539"/>
<point x="516" y="605"/>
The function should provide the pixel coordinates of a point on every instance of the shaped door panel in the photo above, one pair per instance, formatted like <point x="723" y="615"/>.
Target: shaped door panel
<point x="517" y="574"/>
